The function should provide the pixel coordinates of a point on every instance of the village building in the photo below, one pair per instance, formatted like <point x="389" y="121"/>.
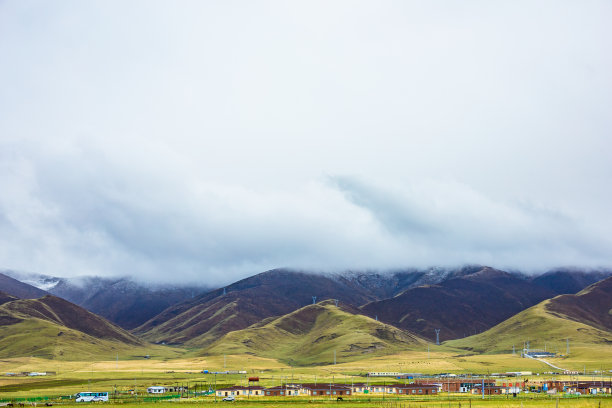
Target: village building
<point x="416" y="389"/>
<point x="488" y="390"/>
<point x="362" y="388"/>
<point x="589" y="387"/>
<point x="287" y="390"/>
<point x="238" y="390"/>
<point x="457" y="384"/>
<point x="156" y="390"/>
<point x="327" y="390"/>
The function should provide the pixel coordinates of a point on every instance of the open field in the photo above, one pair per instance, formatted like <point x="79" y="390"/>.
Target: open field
<point x="125" y="375"/>
<point x="441" y="402"/>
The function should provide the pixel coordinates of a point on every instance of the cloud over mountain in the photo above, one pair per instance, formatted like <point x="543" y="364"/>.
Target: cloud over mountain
<point x="210" y="141"/>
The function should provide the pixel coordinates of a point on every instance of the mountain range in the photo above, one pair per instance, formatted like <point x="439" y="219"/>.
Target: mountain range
<point x="123" y="301"/>
<point x="354" y="314"/>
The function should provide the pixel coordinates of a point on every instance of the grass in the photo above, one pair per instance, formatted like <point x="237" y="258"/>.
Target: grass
<point x="36" y="337"/>
<point x="442" y="401"/>
<point x="311" y="335"/>
<point x="589" y="346"/>
<point x="124" y="375"/>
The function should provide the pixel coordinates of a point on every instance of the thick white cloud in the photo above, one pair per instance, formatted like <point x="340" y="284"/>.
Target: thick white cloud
<point x="213" y="140"/>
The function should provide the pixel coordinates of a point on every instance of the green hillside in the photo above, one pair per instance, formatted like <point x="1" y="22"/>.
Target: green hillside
<point x="310" y="335"/>
<point x="39" y="338"/>
<point x="541" y="327"/>
<point x="53" y="328"/>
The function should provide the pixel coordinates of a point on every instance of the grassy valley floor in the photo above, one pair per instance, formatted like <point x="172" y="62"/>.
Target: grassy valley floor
<point x="69" y="377"/>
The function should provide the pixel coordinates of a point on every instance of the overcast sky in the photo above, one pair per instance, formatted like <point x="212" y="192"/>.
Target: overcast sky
<point x="211" y="140"/>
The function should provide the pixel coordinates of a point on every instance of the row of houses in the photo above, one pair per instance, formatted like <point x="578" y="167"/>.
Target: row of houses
<point x="582" y="387"/>
<point x="419" y="387"/>
<point x="328" y="390"/>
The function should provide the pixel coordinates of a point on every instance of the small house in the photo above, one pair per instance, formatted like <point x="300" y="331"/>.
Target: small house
<point x="237" y="391"/>
<point x="416" y="389"/>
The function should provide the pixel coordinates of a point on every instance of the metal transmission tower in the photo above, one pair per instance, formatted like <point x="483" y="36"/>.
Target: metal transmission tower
<point x="437" y="337"/>
<point x="224" y="292"/>
<point x="567" y="347"/>
<point x="314" y="300"/>
<point x="336" y="301"/>
<point x="513" y="351"/>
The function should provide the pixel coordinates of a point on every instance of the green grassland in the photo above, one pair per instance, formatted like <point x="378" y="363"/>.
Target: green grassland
<point x="379" y="403"/>
<point x="136" y="374"/>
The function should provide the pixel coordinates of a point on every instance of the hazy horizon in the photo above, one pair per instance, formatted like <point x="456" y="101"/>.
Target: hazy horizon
<point x="221" y="139"/>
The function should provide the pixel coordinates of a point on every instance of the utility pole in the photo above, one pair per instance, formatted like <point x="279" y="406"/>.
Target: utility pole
<point x="334" y="357"/>
<point x="437" y="336"/>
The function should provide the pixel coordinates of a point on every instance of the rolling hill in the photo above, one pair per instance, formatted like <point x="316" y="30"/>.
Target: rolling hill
<point x="583" y="318"/>
<point x="592" y="305"/>
<point x="51" y="327"/>
<point x="274" y="293"/>
<point x="311" y="334"/>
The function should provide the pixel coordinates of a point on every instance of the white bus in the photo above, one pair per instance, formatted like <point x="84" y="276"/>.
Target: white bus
<point x="91" y="396"/>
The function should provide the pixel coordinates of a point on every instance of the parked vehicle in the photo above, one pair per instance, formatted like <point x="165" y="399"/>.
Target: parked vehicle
<point x="91" y="396"/>
<point x="230" y="398"/>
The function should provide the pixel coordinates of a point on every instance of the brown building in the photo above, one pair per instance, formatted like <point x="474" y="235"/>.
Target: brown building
<point x="327" y="390"/>
<point x="457" y="384"/>
<point x="416" y="389"/>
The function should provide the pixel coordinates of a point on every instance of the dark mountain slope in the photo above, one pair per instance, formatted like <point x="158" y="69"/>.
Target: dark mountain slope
<point x="387" y="285"/>
<point x="459" y="301"/>
<point x="19" y="289"/>
<point x="467" y="304"/>
<point x="569" y="280"/>
<point x="592" y="306"/>
<point x="122" y="301"/>
<point x="272" y="293"/>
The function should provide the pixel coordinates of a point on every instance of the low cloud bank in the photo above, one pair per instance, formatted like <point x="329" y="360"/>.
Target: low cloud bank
<point x="69" y="216"/>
